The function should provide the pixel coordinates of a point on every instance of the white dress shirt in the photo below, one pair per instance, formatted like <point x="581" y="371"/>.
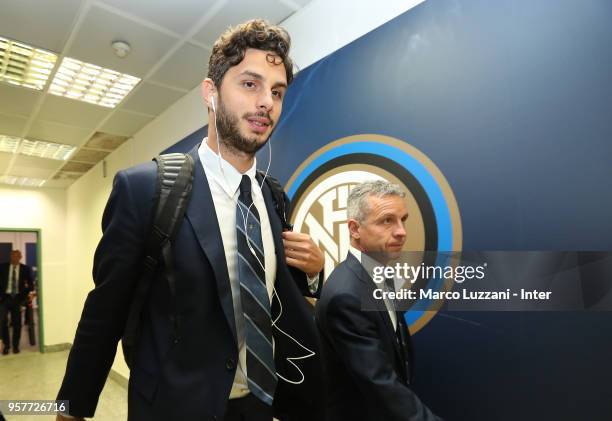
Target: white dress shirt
<point x="224" y="182"/>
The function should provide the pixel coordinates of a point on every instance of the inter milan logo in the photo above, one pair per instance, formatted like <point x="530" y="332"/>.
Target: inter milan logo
<point x="320" y="186"/>
<point x="322" y="213"/>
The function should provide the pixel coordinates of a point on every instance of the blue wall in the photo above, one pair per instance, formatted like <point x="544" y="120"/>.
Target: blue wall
<point x="513" y="102"/>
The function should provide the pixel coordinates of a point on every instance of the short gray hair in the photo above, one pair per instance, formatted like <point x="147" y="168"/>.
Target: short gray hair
<point x="357" y="207"/>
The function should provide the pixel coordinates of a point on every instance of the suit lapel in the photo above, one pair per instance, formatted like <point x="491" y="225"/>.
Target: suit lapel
<point x="275" y="224"/>
<point x="22" y="278"/>
<point x="203" y="218"/>
<point x="4" y="277"/>
<point x="358" y="269"/>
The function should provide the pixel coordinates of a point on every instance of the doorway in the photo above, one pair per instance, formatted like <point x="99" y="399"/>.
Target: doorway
<point x="27" y="241"/>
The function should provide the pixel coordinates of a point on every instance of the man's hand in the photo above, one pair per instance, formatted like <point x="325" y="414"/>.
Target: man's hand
<point x="302" y="253"/>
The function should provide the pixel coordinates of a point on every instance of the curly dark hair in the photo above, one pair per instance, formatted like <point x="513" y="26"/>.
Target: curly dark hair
<point x="231" y="46"/>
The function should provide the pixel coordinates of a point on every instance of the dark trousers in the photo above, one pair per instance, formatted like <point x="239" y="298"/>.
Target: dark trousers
<point x="248" y="408"/>
<point x="10" y="305"/>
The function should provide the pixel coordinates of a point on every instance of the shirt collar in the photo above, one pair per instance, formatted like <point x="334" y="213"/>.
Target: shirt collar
<point x="224" y="173"/>
<point x="366" y="261"/>
<point x="355" y="252"/>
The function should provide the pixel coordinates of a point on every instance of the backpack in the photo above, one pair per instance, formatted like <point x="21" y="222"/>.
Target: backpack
<point x="173" y="192"/>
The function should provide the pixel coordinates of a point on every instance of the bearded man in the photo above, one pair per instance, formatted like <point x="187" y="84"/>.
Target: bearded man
<point x="240" y="280"/>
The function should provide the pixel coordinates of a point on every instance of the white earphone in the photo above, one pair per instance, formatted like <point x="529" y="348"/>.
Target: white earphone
<point x="212" y="100"/>
<point x="310" y="353"/>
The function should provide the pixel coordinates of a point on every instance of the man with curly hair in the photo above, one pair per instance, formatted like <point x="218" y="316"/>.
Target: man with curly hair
<point x="247" y="347"/>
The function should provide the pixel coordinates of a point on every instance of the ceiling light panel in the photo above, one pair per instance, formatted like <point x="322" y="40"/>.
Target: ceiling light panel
<point x="38" y="148"/>
<point x="24" y="65"/>
<point x="46" y="149"/>
<point x="21" y="181"/>
<point x="90" y="83"/>
<point x="9" y="144"/>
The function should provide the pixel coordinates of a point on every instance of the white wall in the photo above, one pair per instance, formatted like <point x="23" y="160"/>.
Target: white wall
<point x="343" y="20"/>
<point x="19" y="240"/>
<point x="44" y="209"/>
<point x="324" y="26"/>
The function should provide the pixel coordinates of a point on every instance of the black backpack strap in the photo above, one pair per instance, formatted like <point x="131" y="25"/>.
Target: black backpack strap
<point x="174" y="185"/>
<point x="175" y="179"/>
<point x="280" y="199"/>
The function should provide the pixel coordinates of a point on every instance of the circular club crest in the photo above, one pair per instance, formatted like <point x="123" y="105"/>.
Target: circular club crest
<point x="319" y="190"/>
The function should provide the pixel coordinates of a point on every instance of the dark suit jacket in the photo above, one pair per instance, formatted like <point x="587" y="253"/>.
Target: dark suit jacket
<point x="188" y="377"/>
<point x="366" y="369"/>
<point x="26" y="281"/>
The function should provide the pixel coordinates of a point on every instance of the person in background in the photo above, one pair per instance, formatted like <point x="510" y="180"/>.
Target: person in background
<point x="16" y="282"/>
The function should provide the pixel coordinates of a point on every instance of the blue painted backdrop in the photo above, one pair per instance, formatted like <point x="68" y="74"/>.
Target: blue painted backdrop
<point x="513" y="101"/>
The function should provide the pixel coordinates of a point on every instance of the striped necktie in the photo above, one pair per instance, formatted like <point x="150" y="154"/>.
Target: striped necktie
<point x="261" y="375"/>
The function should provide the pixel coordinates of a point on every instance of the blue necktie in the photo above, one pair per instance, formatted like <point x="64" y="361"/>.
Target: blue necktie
<point x="261" y="375"/>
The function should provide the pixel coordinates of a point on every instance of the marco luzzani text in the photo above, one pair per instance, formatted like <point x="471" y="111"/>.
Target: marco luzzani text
<point x="405" y="272"/>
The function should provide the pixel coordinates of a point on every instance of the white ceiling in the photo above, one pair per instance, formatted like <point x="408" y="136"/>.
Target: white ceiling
<point x="170" y="40"/>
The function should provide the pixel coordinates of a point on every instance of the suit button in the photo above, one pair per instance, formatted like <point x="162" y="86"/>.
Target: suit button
<point x="230" y="364"/>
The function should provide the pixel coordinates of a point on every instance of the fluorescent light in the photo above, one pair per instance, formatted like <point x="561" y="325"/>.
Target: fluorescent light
<point x="8" y="179"/>
<point x="9" y="143"/>
<point x="36" y="148"/>
<point x="46" y="149"/>
<point x="21" y="181"/>
<point x="24" y="65"/>
<point x="90" y="83"/>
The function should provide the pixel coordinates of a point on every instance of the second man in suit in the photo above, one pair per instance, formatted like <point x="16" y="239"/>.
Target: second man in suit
<point x="368" y="354"/>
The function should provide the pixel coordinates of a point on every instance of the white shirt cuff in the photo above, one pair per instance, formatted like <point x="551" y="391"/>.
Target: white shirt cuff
<point x="313" y="283"/>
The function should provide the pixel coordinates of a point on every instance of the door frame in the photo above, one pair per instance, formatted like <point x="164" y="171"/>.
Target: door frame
<point x="39" y="274"/>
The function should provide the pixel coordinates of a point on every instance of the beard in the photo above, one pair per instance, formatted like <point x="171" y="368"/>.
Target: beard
<point x="229" y="131"/>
